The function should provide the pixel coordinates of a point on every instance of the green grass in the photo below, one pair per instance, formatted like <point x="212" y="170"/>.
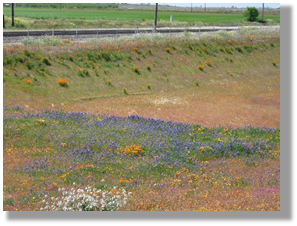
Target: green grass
<point x="117" y="16"/>
<point x="115" y="68"/>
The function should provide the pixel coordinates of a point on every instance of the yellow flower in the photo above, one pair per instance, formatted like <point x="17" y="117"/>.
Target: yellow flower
<point x="208" y="63"/>
<point x="63" y="82"/>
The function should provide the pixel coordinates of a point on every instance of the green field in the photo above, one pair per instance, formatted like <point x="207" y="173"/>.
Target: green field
<point x="130" y="15"/>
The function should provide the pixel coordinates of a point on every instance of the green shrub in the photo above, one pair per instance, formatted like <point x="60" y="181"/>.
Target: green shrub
<point x="27" y="53"/>
<point x="18" y="22"/>
<point x="86" y="72"/>
<point x="90" y="55"/>
<point x="29" y="65"/>
<point x="46" y="61"/>
<point x="49" y="41"/>
<point x="9" y="202"/>
<point x="7" y="61"/>
<point x="83" y="72"/>
<point x="108" y="82"/>
<point x="251" y="14"/>
<point x="228" y="50"/>
<point x="136" y="69"/>
<point x="70" y="58"/>
<point x="105" y="56"/>
<point x="239" y="49"/>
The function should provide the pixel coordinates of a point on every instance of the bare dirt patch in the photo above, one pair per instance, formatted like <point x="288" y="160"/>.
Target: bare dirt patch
<point x="235" y="105"/>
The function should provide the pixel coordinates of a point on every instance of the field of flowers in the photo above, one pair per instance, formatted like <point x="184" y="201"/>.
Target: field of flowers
<point x="69" y="145"/>
<point x="162" y="165"/>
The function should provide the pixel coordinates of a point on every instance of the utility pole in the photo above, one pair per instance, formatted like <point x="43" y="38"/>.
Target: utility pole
<point x="12" y="14"/>
<point x="205" y="7"/>
<point x="156" y="12"/>
<point x="262" y="11"/>
<point x="191" y="7"/>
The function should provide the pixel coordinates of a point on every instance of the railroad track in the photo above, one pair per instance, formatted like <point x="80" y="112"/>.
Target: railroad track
<point x="109" y="31"/>
<point x="13" y="36"/>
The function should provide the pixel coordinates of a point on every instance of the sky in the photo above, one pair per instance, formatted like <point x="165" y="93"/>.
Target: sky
<point x="238" y="5"/>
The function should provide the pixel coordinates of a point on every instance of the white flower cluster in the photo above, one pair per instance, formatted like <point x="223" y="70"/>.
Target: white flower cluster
<point x="196" y="36"/>
<point x="86" y="199"/>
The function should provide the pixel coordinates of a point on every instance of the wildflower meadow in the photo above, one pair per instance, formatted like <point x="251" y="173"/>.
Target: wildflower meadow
<point x="163" y="165"/>
<point x="173" y="124"/>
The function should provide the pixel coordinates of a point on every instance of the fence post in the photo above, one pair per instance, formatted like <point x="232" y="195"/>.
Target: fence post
<point x="199" y="31"/>
<point x="117" y="37"/>
<point x="238" y="31"/>
<point x="3" y="21"/>
<point x="97" y="38"/>
<point x="185" y="33"/>
<point x="52" y="38"/>
<point x="249" y="30"/>
<point x="76" y="36"/>
<point x="153" y="33"/>
<point x="135" y="34"/>
<point x="28" y="38"/>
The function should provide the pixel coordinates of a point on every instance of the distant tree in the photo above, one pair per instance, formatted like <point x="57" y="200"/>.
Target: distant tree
<point x="251" y="14"/>
<point x="72" y="5"/>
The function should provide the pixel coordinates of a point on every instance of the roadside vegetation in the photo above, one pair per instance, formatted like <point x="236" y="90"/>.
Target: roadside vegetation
<point x="165" y="123"/>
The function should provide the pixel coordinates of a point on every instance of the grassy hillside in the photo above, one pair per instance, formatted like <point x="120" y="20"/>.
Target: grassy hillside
<point x="180" y="124"/>
<point x="153" y="74"/>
